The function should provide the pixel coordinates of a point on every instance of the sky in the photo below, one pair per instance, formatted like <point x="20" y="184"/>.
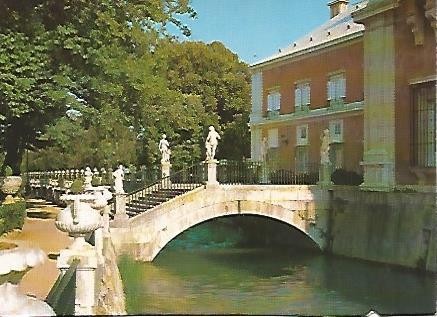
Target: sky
<point x="254" y="29"/>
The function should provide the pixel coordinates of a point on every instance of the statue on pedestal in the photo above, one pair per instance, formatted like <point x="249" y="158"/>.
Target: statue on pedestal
<point x="164" y="148"/>
<point x="118" y="179"/>
<point x="88" y="178"/>
<point x="211" y="143"/>
<point x="264" y="149"/>
<point x="324" y="148"/>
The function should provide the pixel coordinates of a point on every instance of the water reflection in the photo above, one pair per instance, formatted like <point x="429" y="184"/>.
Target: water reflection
<point x="263" y="281"/>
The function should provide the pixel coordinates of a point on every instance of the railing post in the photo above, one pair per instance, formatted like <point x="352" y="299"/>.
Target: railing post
<point x="212" y="173"/>
<point x="120" y="217"/>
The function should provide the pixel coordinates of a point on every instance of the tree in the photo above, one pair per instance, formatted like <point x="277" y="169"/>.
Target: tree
<point x="216" y="75"/>
<point x="51" y="55"/>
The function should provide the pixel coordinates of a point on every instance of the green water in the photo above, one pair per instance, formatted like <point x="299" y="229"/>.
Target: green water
<point x="263" y="281"/>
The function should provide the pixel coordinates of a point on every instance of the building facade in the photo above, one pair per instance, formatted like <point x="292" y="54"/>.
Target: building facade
<point x="400" y="93"/>
<point x="367" y="75"/>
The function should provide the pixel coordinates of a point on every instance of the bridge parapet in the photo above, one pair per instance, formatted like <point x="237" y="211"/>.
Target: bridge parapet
<point x="302" y="207"/>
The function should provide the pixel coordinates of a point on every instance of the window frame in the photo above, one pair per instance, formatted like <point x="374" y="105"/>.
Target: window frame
<point x="336" y="87"/>
<point x="303" y="90"/>
<point x="302" y="140"/>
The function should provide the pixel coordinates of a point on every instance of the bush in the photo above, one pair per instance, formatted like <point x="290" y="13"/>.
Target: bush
<point x="343" y="177"/>
<point x="61" y="182"/>
<point x="77" y="186"/>
<point x="8" y="171"/>
<point x="12" y="216"/>
<point x="286" y="177"/>
<point x="96" y="181"/>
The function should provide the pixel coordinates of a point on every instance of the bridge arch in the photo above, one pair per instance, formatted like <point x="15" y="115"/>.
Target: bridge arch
<point x="162" y="236"/>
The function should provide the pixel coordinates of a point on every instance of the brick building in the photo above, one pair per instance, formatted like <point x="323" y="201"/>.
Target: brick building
<point x="364" y="75"/>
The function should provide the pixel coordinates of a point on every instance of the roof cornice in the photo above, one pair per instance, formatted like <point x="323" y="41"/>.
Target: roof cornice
<point x="312" y="49"/>
<point x="373" y="8"/>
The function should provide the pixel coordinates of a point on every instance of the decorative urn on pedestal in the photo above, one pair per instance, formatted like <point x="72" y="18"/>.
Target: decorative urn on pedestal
<point x="78" y="219"/>
<point x="10" y="185"/>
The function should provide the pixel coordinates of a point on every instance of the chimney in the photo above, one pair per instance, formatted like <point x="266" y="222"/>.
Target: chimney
<point x="337" y="7"/>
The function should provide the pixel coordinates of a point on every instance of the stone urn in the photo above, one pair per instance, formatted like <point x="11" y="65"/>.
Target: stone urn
<point x="10" y="186"/>
<point x="78" y="219"/>
<point x="15" y="262"/>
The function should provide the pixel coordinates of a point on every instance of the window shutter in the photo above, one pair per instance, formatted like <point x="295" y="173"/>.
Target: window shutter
<point x="297" y="97"/>
<point x="308" y="94"/>
<point x="330" y="90"/>
<point x="342" y="90"/>
<point x="278" y="102"/>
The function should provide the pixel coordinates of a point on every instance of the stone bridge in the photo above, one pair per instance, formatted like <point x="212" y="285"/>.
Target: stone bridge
<point x="303" y="207"/>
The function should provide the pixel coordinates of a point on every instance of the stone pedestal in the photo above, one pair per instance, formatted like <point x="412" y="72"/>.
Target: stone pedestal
<point x="212" y="173"/>
<point x="105" y="221"/>
<point x="120" y="217"/>
<point x="165" y="169"/>
<point x="165" y="172"/>
<point x="265" y="179"/>
<point x="85" y="299"/>
<point x="325" y="175"/>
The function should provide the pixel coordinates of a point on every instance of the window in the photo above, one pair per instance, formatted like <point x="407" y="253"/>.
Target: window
<point x="274" y="101"/>
<point x="336" y="131"/>
<point x="423" y="125"/>
<point x="301" y="159"/>
<point x="302" y="96"/>
<point x="336" y="155"/>
<point x="336" y="87"/>
<point x="273" y="139"/>
<point x="302" y="135"/>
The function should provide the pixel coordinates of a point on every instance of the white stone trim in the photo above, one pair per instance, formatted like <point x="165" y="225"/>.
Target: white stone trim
<point x="336" y="138"/>
<point x="311" y="114"/>
<point x="273" y="138"/>
<point x="257" y="93"/>
<point x="300" y="140"/>
<point x="314" y="49"/>
<point x="422" y="80"/>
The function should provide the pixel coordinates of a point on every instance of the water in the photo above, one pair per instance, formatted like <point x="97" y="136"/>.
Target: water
<point x="271" y="282"/>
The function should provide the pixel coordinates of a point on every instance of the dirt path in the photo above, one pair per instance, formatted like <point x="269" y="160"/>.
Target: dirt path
<point x="39" y="231"/>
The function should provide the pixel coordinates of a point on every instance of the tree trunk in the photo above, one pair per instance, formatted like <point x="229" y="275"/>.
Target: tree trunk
<point x="14" y="146"/>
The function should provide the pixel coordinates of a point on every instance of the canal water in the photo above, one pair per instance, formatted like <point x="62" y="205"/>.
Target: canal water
<point x="224" y="279"/>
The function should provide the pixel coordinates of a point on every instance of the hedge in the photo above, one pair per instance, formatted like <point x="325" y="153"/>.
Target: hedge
<point x="12" y="216"/>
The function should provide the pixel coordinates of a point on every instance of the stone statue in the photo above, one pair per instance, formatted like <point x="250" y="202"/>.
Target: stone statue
<point x="324" y="148"/>
<point x="88" y="178"/>
<point x="164" y="149"/>
<point x="211" y="143"/>
<point x="118" y="179"/>
<point x="264" y="148"/>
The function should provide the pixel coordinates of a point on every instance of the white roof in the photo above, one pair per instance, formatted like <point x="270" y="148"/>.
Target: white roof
<point x="340" y="26"/>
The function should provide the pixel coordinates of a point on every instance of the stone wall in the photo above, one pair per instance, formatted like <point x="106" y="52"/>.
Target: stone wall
<point x="389" y="227"/>
<point x="111" y="299"/>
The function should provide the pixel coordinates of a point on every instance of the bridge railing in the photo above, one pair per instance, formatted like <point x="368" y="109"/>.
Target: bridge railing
<point x="188" y="178"/>
<point x="270" y="172"/>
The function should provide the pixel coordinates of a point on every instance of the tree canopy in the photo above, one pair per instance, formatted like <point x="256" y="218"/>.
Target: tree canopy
<point x="97" y="82"/>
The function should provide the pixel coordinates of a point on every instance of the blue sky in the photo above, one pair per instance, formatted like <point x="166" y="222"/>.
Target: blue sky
<point x="255" y="29"/>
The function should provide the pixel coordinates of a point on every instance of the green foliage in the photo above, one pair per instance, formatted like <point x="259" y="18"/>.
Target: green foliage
<point x="96" y="181"/>
<point x="8" y="171"/>
<point x="61" y="182"/>
<point x="12" y="216"/>
<point x="123" y="81"/>
<point x="77" y="186"/>
<point x="59" y="55"/>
